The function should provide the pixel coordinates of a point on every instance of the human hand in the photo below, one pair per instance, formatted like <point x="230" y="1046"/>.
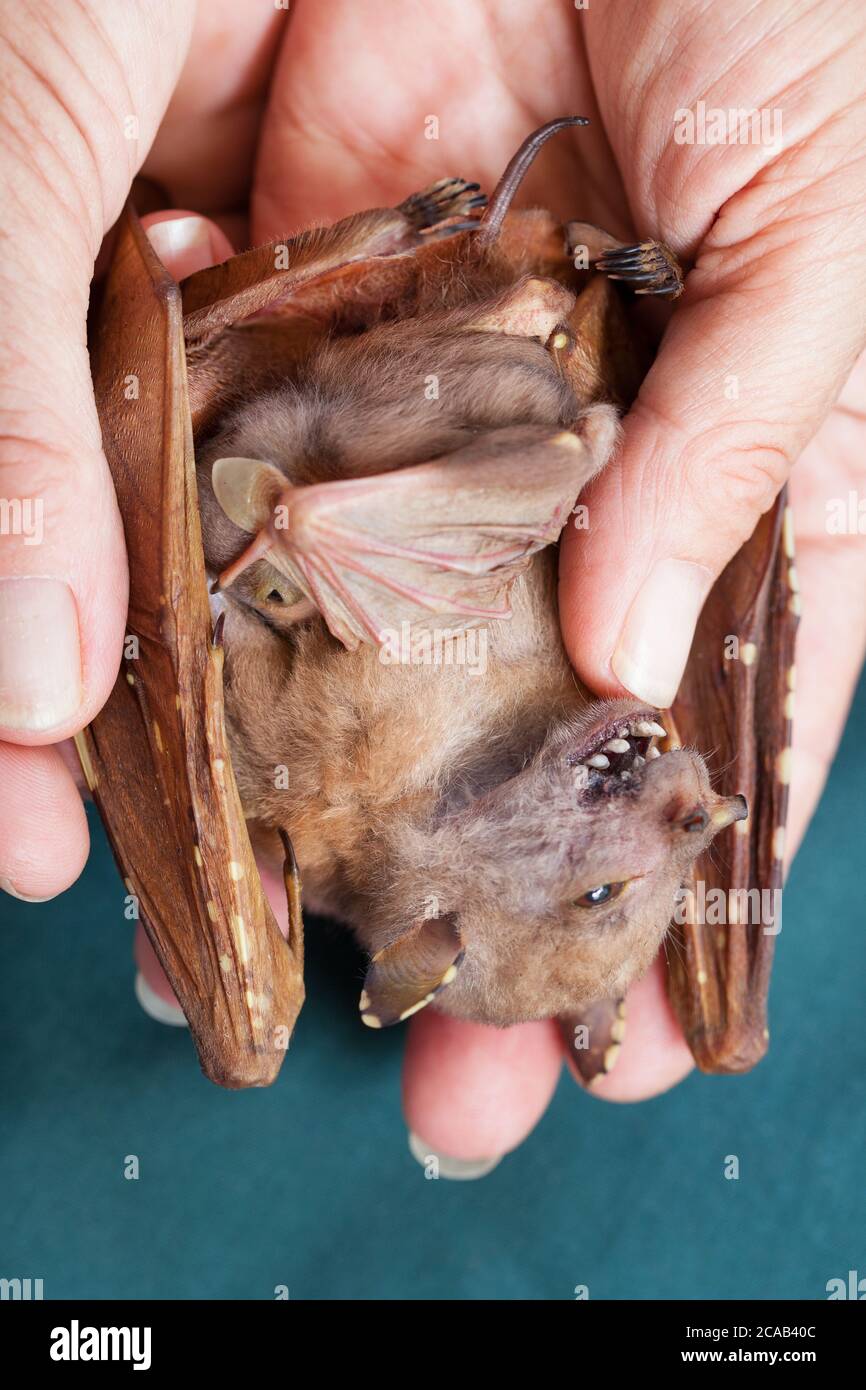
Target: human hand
<point x="329" y="147"/>
<point x="775" y="304"/>
<point x="73" y="78"/>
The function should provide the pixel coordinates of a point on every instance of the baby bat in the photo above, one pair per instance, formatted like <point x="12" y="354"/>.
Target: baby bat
<point x="495" y="838"/>
<point x="376" y="432"/>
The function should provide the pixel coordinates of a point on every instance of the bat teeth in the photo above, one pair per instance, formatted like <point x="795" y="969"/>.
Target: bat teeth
<point x="617" y="745"/>
<point x="644" y="728"/>
<point x="658" y="730"/>
<point x="652" y="753"/>
<point x="598" y="760"/>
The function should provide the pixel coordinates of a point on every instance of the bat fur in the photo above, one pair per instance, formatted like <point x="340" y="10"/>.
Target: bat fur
<point x="421" y="794"/>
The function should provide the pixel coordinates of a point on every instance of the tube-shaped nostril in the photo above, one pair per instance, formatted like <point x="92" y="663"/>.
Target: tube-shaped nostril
<point x="731" y="808"/>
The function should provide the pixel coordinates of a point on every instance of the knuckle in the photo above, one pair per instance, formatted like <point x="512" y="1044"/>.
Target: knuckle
<point x="745" y="478"/>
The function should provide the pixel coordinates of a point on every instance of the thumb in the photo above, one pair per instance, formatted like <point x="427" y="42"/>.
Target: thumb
<point x="750" y="365"/>
<point x="62" y="564"/>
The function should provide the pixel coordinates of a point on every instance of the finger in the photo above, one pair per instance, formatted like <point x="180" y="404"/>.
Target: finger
<point x="747" y="371"/>
<point x="62" y="561"/>
<point x="830" y="531"/>
<point x="654" y="1055"/>
<point x="472" y="1093"/>
<point x="185" y="241"/>
<point x="43" y="828"/>
<point x="831" y="642"/>
<point x="72" y="142"/>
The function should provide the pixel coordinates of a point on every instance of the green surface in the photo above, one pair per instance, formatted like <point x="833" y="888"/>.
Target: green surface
<point x="310" y="1184"/>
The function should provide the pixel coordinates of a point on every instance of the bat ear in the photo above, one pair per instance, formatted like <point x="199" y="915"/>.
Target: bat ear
<point x="247" y="490"/>
<point x="405" y="976"/>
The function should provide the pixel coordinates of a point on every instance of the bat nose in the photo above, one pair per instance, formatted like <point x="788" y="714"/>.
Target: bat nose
<point x="730" y="809"/>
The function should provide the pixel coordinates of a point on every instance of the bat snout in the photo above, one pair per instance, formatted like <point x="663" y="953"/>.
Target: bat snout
<point x="728" y="810"/>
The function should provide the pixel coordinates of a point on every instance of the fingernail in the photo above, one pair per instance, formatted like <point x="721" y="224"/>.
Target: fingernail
<point x="180" y="243"/>
<point x="458" y="1169"/>
<point x="657" y="634"/>
<point x="40" y="657"/>
<point x="162" y="1010"/>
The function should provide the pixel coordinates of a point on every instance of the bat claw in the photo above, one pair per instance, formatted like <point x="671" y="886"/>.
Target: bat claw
<point x="648" y="264"/>
<point x="443" y="200"/>
<point x="292" y="881"/>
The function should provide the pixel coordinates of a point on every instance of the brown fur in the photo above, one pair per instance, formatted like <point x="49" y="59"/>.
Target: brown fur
<point x="420" y="790"/>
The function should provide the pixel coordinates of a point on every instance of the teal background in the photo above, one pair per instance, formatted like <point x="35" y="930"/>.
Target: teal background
<point x="310" y="1184"/>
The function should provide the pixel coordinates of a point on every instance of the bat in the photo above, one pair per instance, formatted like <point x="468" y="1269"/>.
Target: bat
<point x="365" y="442"/>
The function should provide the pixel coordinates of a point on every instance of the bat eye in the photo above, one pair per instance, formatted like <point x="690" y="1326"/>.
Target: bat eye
<point x="275" y="596"/>
<point x="605" y="893"/>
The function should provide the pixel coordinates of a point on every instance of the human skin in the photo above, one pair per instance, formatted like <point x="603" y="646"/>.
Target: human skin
<point x="776" y="300"/>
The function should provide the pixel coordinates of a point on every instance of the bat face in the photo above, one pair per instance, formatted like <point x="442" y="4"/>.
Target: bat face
<point x="560" y="882"/>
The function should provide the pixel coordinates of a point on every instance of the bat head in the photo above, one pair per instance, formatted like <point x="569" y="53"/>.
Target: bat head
<point x="554" y="888"/>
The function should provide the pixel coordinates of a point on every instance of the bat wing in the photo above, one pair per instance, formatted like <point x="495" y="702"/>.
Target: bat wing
<point x="736" y="698"/>
<point x="156" y="757"/>
<point x="440" y="542"/>
<point x="263" y="281"/>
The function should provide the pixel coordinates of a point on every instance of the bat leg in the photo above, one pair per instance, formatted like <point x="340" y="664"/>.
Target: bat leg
<point x="648" y="267"/>
<point x="441" y="201"/>
<point x="593" y="1039"/>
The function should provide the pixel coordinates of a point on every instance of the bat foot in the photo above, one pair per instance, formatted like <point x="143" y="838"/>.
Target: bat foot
<point x="648" y="267"/>
<point x="449" y="198"/>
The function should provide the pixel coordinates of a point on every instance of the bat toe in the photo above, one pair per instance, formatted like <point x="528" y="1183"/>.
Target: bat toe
<point x="449" y="198"/>
<point x="649" y="267"/>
